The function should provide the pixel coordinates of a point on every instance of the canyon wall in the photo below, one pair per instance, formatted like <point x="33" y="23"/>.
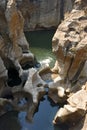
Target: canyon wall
<point x="46" y="13"/>
<point x="15" y="56"/>
<point x="69" y="45"/>
<point x="40" y="13"/>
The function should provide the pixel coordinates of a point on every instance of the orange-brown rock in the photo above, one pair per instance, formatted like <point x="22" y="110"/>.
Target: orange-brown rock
<point x="15" y="82"/>
<point x="69" y="45"/>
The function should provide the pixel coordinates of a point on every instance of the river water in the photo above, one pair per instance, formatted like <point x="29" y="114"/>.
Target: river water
<point x="40" y="45"/>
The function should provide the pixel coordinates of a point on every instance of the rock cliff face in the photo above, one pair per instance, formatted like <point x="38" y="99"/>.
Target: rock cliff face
<point x="14" y="56"/>
<point x="41" y="13"/>
<point x="70" y="47"/>
<point x="46" y="14"/>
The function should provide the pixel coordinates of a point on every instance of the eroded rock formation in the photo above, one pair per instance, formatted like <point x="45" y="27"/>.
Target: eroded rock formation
<point x="16" y="83"/>
<point x="70" y="47"/>
<point x="44" y="14"/>
<point x="38" y="13"/>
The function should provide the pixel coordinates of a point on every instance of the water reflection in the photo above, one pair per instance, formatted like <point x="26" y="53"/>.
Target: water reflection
<point x="9" y="121"/>
<point x="42" y="119"/>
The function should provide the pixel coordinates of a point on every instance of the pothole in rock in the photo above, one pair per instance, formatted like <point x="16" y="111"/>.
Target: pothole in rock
<point x="13" y="77"/>
<point x="27" y="65"/>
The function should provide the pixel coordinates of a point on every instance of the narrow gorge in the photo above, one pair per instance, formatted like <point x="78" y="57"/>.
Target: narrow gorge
<point x="24" y="81"/>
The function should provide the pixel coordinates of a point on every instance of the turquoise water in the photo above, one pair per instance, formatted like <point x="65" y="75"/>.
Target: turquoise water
<point x="41" y="45"/>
